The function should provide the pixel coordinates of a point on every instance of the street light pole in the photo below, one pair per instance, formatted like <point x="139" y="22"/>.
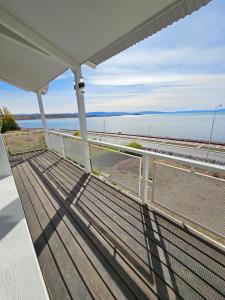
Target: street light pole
<point x="210" y="139"/>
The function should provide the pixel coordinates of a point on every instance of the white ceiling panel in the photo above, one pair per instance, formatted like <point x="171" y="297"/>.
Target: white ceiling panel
<point x="74" y="32"/>
<point x="25" y="68"/>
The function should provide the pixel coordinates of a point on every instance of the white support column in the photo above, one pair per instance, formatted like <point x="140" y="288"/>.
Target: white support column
<point x="82" y="119"/>
<point x="5" y="169"/>
<point x="144" y="193"/>
<point x="41" y="108"/>
<point x="43" y="120"/>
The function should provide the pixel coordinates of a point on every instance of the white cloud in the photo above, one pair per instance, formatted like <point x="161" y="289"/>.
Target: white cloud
<point x="159" y="79"/>
<point x="180" y="78"/>
<point x="169" y="92"/>
<point x="157" y="58"/>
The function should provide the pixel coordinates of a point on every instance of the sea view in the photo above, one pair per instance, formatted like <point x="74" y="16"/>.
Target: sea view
<point x="180" y="126"/>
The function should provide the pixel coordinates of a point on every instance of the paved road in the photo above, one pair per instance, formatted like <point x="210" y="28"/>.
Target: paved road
<point x="179" y="150"/>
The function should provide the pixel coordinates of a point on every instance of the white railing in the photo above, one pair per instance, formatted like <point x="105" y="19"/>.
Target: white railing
<point x="191" y="189"/>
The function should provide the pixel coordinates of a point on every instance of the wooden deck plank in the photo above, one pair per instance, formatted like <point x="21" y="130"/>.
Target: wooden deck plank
<point x="133" y="283"/>
<point x="201" y="271"/>
<point x="54" y="282"/>
<point x="109" y="193"/>
<point x="133" y="251"/>
<point x="71" y="277"/>
<point x="90" y="244"/>
<point x="87" y="271"/>
<point x="137" y="286"/>
<point x="160" y="232"/>
<point x="137" y="221"/>
<point x="20" y="274"/>
<point x="136" y="260"/>
<point x="183" y="258"/>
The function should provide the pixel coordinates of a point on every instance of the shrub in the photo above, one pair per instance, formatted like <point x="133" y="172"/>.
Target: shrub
<point x="135" y="145"/>
<point x="77" y="133"/>
<point x="7" y="121"/>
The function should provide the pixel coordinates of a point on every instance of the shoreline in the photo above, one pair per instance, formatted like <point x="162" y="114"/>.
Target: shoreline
<point x="36" y="116"/>
<point x="133" y="136"/>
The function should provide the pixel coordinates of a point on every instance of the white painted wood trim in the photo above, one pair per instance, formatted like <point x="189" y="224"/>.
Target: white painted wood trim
<point x="41" y="108"/>
<point x="82" y="119"/>
<point x="20" y="274"/>
<point x="5" y="169"/>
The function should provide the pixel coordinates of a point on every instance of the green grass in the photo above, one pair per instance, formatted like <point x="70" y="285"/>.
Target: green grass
<point x="212" y="149"/>
<point x="135" y="145"/>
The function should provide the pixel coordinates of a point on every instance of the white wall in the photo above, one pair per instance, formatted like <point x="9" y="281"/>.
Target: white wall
<point x="5" y="169"/>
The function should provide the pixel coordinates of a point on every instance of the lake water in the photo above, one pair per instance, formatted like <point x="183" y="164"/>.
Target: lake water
<point x="183" y="126"/>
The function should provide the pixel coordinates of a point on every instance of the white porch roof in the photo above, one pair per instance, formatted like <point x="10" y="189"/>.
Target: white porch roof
<point x="41" y="39"/>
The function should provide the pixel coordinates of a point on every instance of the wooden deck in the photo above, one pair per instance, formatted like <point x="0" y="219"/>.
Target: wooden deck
<point x="94" y="242"/>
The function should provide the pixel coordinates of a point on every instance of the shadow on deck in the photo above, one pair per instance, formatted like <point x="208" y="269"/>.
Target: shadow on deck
<point x="92" y="241"/>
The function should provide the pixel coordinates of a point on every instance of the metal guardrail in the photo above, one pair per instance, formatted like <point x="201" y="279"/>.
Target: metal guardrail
<point x="198" y="197"/>
<point x="186" y="187"/>
<point x="186" y="161"/>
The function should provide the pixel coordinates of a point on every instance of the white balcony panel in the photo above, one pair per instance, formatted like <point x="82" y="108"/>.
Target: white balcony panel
<point x="74" y="150"/>
<point x="196" y="197"/>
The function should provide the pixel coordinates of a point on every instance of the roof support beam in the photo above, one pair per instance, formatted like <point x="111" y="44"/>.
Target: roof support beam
<point x="82" y="119"/>
<point x="13" y="24"/>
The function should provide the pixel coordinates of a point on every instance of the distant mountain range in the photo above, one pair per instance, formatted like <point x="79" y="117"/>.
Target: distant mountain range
<point x="110" y="114"/>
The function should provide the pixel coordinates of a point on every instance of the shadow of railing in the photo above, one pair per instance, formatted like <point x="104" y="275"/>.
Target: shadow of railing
<point x="152" y="272"/>
<point x="95" y="244"/>
<point x="150" y="233"/>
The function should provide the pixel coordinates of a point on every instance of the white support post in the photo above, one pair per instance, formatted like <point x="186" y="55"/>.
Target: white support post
<point x="5" y="169"/>
<point x="144" y="194"/>
<point x="82" y="119"/>
<point x="43" y="120"/>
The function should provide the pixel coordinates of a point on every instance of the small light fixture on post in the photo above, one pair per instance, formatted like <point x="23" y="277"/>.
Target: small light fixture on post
<point x="81" y="85"/>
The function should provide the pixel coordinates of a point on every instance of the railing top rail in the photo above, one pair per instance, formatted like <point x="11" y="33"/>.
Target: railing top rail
<point x="64" y="134"/>
<point x="23" y="132"/>
<point x="186" y="161"/>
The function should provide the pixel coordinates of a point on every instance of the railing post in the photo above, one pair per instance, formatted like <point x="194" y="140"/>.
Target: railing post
<point x="144" y="186"/>
<point x="79" y="86"/>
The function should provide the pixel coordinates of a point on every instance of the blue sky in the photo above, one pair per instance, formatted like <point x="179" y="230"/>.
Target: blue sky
<point x="181" y="67"/>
